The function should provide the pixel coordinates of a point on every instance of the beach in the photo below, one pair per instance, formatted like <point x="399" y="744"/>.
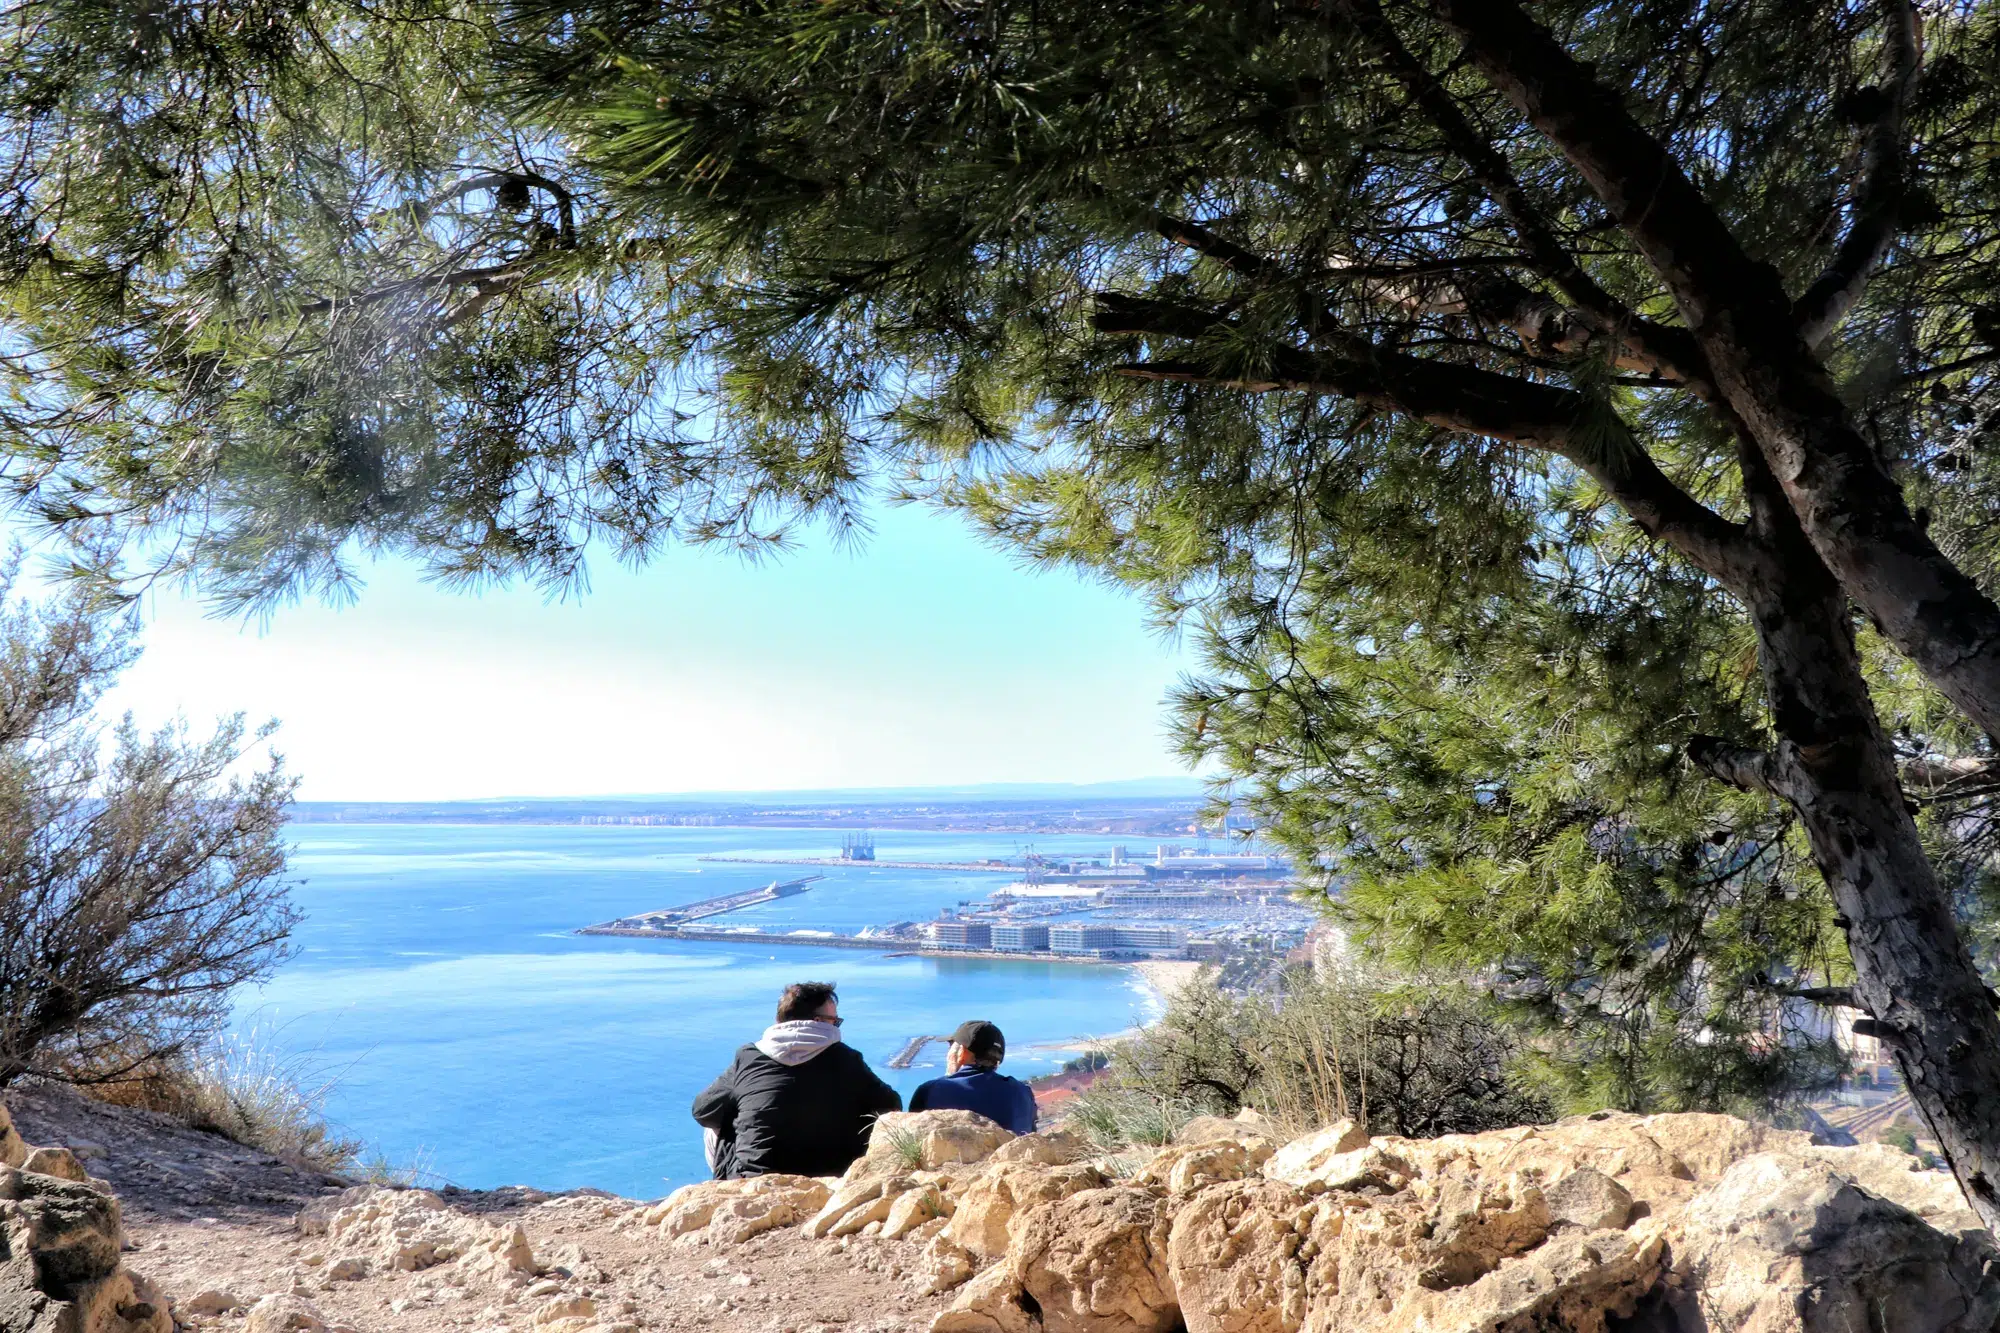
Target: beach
<point x="1165" y="976"/>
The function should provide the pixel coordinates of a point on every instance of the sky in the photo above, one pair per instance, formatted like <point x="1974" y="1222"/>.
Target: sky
<point x="921" y="658"/>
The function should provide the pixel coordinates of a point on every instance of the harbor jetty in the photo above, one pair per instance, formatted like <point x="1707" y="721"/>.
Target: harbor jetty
<point x="667" y="917"/>
<point x="911" y="1049"/>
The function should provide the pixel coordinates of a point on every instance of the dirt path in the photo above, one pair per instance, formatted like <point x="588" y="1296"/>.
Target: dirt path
<point x="203" y="1214"/>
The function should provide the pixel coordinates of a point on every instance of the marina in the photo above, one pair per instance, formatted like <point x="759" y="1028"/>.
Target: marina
<point x="1085" y="906"/>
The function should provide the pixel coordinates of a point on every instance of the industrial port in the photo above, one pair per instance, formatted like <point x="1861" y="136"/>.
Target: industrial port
<point x="1111" y="907"/>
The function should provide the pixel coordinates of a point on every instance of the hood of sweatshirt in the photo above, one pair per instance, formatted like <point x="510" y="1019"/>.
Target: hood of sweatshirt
<point x="798" y="1041"/>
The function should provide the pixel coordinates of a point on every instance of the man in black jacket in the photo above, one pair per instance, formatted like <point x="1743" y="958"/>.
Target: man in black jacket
<point x="798" y="1100"/>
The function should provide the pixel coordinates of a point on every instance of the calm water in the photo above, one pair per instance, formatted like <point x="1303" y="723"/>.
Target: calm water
<point x="470" y="1030"/>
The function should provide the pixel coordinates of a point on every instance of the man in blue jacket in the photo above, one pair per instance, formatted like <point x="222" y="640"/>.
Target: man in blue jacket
<point x="973" y="1081"/>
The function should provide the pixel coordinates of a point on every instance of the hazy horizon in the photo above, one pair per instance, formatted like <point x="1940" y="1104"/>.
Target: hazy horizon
<point x="1162" y="786"/>
<point x="920" y="659"/>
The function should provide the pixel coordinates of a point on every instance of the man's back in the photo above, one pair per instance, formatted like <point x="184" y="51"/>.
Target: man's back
<point x="810" y="1118"/>
<point x="1006" y="1101"/>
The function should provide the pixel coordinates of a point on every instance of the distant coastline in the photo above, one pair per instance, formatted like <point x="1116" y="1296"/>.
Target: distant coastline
<point x="1036" y="811"/>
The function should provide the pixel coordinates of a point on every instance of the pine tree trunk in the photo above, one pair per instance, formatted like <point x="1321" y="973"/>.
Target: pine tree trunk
<point x="1914" y="975"/>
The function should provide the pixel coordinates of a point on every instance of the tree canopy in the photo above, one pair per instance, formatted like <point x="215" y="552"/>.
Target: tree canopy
<point x="1521" y="405"/>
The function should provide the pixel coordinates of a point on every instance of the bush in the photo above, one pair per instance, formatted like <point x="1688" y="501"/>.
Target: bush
<point x="141" y="879"/>
<point x="1412" y="1056"/>
<point x="1901" y="1133"/>
<point x="1088" y="1062"/>
<point x="1114" y="1118"/>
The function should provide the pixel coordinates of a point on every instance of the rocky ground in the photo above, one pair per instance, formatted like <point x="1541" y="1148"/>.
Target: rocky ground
<point x="216" y="1228"/>
<point x="1603" y="1224"/>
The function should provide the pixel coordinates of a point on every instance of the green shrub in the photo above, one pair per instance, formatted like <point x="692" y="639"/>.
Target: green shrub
<point x="1411" y="1056"/>
<point x="907" y="1144"/>
<point x="1114" y="1118"/>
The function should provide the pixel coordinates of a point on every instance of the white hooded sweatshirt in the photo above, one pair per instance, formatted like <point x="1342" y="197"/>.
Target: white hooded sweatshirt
<point x="797" y="1041"/>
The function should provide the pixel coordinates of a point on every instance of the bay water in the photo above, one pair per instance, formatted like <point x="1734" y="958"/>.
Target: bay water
<point x="468" y="1030"/>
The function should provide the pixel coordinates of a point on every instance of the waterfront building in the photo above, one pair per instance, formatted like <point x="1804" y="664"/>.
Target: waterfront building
<point x="1079" y="938"/>
<point x="1020" y="937"/>
<point x="1148" y="938"/>
<point x="962" y="934"/>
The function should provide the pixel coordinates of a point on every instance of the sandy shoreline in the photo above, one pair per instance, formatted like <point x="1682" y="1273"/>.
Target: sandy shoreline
<point x="1165" y="976"/>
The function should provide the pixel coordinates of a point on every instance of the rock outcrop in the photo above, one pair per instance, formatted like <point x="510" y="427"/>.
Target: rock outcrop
<point x="60" y="1238"/>
<point x="1671" y="1224"/>
<point x="410" y="1230"/>
<point x="726" y="1212"/>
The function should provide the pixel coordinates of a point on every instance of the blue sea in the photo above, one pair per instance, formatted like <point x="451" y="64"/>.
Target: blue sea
<point x="468" y="1030"/>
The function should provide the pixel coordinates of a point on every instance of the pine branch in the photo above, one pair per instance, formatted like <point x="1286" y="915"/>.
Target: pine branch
<point x="1654" y="348"/>
<point x="1851" y="509"/>
<point x="1766" y="772"/>
<point x="1880" y="195"/>
<point x="1460" y="398"/>
<point x="1832" y="997"/>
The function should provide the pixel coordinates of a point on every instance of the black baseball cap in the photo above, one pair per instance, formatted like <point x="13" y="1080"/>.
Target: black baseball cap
<point x="982" y="1039"/>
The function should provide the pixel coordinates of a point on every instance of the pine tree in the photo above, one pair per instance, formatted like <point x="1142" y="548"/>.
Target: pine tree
<point x="1522" y="400"/>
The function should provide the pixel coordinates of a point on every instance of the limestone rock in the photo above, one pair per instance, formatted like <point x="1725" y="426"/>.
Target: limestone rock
<point x="284" y="1314"/>
<point x="1580" y="1281"/>
<point x="1371" y="1166"/>
<point x="1233" y="1254"/>
<point x="1049" y="1147"/>
<point x="1305" y="1161"/>
<point x="1097" y="1262"/>
<point x="991" y="1200"/>
<point x="855" y="1204"/>
<point x="1708" y="1145"/>
<point x="563" y="1308"/>
<point x="13" y="1151"/>
<point x="123" y="1302"/>
<point x="990" y="1303"/>
<point x="747" y="1207"/>
<point x="1190" y="1166"/>
<point x="904" y="1141"/>
<point x="59" y="1260"/>
<point x="1893" y="1174"/>
<point x="1588" y="1198"/>
<point x="67" y="1232"/>
<point x="350" y="1269"/>
<point x="58" y="1162"/>
<point x="1479" y="1222"/>
<point x="315" y="1217"/>
<point x="913" y="1208"/>
<point x="409" y="1230"/>
<point x="1781" y="1245"/>
<point x="942" y="1265"/>
<point x="211" y="1301"/>
<point x="1246" y="1127"/>
<point x="737" y="1220"/>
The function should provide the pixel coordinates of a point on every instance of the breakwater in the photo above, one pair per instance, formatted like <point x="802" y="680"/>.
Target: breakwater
<point x="755" y="937"/>
<point x="911" y="1049"/>
<point x="981" y="867"/>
